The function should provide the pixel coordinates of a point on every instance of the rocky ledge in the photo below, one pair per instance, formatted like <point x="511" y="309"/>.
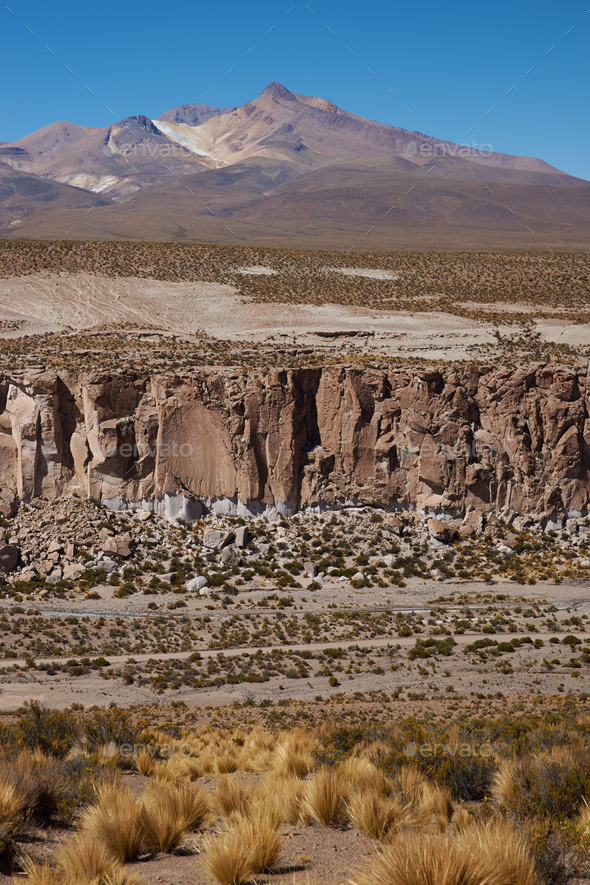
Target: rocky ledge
<point x="449" y="441"/>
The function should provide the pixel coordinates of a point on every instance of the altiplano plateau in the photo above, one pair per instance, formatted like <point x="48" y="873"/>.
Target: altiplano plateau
<point x="294" y="504"/>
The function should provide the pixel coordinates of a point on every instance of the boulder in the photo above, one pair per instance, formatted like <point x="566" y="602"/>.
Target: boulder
<point x="310" y="569"/>
<point x="472" y="524"/>
<point x="54" y="577"/>
<point x="119" y="544"/>
<point x="242" y="536"/>
<point x="8" y="510"/>
<point x="440" y="530"/>
<point x="73" y="571"/>
<point x="216" y="539"/>
<point x="230" y="555"/>
<point x="108" y="565"/>
<point x="392" y="525"/>
<point x="196" y="585"/>
<point x="8" y="558"/>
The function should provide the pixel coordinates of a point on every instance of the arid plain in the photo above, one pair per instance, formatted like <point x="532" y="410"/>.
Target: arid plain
<point x="296" y="565"/>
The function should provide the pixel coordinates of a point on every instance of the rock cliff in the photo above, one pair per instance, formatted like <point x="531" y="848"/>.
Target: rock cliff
<point x="443" y="440"/>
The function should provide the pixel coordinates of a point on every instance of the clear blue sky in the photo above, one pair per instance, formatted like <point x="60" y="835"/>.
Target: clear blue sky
<point x="448" y="62"/>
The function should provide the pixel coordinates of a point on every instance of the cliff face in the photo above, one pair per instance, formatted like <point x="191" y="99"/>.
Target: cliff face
<point x="441" y="440"/>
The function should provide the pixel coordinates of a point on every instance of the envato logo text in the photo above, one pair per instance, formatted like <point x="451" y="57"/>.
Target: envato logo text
<point x="143" y="450"/>
<point x="432" y="751"/>
<point x="427" y="149"/>
<point x="162" y="751"/>
<point x="149" y="150"/>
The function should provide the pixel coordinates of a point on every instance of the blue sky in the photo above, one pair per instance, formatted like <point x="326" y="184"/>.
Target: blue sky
<point x="449" y="66"/>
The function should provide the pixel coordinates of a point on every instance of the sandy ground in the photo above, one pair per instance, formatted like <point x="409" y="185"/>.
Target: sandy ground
<point x="459" y="670"/>
<point x="369" y="273"/>
<point x="257" y="270"/>
<point x="47" y="302"/>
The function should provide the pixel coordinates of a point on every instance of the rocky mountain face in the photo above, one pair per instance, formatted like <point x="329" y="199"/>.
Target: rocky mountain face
<point x="449" y="441"/>
<point x="281" y="162"/>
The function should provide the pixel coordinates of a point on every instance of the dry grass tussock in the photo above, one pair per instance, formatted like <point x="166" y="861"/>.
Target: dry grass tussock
<point x="226" y="858"/>
<point x="114" y="822"/>
<point x="494" y="854"/>
<point x="168" y="812"/>
<point x="294" y="752"/>
<point x="364" y="774"/>
<point x="259" y="833"/>
<point x="32" y="782"/>
<point x="249" y="845"/>
<point x="376" y="815"/>
<point x="552" y="782"/>
<point x="504" y="785"/>
<point x="380" y="807"/>
<point x="80" y="861"/>
<point x="177" y="769"/>
<point x="284" y="795"/>
<point x="257" y="754"/>
<point x="13" y="800"/>
<point x="233" y="795"/>
<point x="324" y="798"/>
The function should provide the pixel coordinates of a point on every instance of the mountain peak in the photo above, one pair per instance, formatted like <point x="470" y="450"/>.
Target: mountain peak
<point x="277" y="91"/>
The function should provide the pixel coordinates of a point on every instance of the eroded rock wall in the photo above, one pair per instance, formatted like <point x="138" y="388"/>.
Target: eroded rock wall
<point x="442" y="440"/>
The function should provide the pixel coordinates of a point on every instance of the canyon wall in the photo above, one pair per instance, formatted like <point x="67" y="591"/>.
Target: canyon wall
<point x="443" y="440"/>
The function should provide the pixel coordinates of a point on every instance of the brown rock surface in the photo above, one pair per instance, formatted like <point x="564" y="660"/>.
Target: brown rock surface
<point x="442" y="439"/>
<point x="442" y="531"/>
<point x="8" y="558"/>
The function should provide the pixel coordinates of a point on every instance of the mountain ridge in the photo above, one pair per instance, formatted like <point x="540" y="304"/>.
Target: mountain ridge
<point x="284" y="155"/>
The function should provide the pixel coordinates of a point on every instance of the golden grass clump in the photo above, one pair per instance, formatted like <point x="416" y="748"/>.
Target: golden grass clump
<point x="283" y="794"/>
<point x="32" y="781"/>
<point x="177" y="769"/>
<point x="144" y="762"/>
<point x="13" y="801"/>
<point x="324" y="797"/>
<point x="259" y="833"/>
<point x="80" y="861"/>
<point x="494" y="854"/>
<point x="233" y="795"/>
<point x="288" y="759"/>
<point x="114" y="822"/>
<point x="227" y="859"/>
<point x="435" y="801"/>
<point x="377" y="815"/>
<point x="461" y="819"/>
<point x="364" y="774"/>
<point x="503" y="785"/>
<point x="168" y="813"/>
<point x="408" y="781"/>
<point x="294" y="753"/>
<point x="257" y="754"/>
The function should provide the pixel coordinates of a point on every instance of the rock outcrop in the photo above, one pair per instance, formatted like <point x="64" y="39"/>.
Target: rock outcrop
<point x="443" y="440"/>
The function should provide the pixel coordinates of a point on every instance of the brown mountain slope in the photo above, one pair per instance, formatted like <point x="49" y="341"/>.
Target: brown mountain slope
<point x="24" y="196"/>
<point x="118" y="160"/>
<point x="335" y="207"/>
<point x="297" y="170"/>
<point x="312" y="131"/>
